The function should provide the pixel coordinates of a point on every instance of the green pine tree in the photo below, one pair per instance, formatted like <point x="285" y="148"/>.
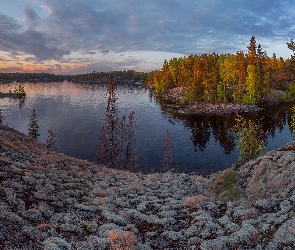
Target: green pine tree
<point x="34" y="127"/>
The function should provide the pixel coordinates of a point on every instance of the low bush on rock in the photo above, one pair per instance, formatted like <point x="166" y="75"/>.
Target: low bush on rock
<point x="122" y="240"/>
<point x="226" y="186"/>
<point x="194" y="202"/>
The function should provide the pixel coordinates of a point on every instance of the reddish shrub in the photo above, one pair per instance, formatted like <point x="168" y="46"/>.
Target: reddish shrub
<point x="122" y="240"/>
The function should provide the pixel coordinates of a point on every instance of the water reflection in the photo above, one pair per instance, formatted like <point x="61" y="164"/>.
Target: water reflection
<point x="200" y="143"/>
<point x="21" y="102"/>
<point x="272" y="122"/>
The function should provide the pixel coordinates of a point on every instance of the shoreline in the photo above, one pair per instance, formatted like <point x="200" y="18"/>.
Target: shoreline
<point x="50" y="200"/>
<point x="12" y="95"/>
<point x="219" y="108"/>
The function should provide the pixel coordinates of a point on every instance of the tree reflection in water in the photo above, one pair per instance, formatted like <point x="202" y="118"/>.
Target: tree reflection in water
<point x="219" y="127"/>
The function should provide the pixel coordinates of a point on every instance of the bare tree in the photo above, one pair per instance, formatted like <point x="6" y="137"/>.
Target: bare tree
<point x="117" y="135"/>
<point x="167" y="152"/>
<point x="1" y="117"/>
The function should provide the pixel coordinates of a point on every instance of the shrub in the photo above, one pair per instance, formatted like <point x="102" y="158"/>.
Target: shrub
<point x="290" y="95"/>
<point x="194" y="202"/>
<point x="247" y="100"/>
<point x="122" y="240"/>
<point x="20" y="90"/>
<point x="226" y="186"/>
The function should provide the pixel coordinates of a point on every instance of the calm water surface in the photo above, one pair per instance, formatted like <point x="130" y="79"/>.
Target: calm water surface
<point x="75" y="113"/>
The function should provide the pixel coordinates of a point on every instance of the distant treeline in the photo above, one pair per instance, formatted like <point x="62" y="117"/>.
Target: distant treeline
<point x="31" y="77"/>
<point x="247" y="78"/>
<point x="130" y="76"/>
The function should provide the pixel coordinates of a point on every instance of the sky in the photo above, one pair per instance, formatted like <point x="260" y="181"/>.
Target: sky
<point x="81" y="36"/>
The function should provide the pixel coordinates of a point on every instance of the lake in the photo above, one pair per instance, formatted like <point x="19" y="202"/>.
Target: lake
<point x="75" y="113"/>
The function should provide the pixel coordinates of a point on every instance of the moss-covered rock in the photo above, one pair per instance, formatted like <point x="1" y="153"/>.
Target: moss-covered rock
<point x="226" y="186"/>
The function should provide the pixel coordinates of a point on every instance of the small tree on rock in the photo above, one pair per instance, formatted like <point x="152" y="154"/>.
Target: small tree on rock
<point x="34" y="127"/>
<point x="50" y="141"/>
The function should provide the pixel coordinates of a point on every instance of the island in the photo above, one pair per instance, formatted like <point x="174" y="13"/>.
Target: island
<point x="226" y="83"/>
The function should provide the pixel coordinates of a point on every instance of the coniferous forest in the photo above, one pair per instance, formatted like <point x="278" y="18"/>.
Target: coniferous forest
<point x="248" y="78"/>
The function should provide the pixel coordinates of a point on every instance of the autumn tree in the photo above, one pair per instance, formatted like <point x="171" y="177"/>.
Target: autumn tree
<point x="163" y="79"/>
<point x="196" y="92"/>
<point x="247" y="78"/>
<point x="252" y="95"/>
<point x="242" y="73"/>
<point x="229" y="76"/>
<point x="117" y="135"/>
<point x="210" y="76"/>
<point x="265" y="68"/>
<point x="174" y="72"/>
<point x="33" y="126"/>
<point x="291" y="45"/>
<point x="252" y="56"/>
<point x="280" y="73"/>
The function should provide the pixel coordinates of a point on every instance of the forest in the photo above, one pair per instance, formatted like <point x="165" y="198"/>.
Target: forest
<point x="248" y="78"/>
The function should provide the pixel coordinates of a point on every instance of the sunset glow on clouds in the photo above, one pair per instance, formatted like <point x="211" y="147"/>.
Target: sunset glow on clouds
<point x="79" y="36"/>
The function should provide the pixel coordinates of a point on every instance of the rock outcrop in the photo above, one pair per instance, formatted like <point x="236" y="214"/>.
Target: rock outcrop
<point x="178" y="94"/>
<point x="220" y="108"/>
<point x="52" y="201"/>
<point x="12" y="95"/>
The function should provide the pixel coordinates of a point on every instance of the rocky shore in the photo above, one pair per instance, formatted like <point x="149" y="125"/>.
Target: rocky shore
<point x="12" y="95"/>
<point x="220" y="108"/>
<point x="51" y="201"/>
<point x="177" y="94"/>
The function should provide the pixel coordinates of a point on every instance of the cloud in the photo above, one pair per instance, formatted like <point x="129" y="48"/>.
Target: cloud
<point x="30" y="16"/>
<point x="103" y="27"/>
<point x="104" y="52"/>
<point x="100" y="66"/>
<point x="174" y="25"/>
<point x="15" y="39"/>
<point x="93" y="52"/>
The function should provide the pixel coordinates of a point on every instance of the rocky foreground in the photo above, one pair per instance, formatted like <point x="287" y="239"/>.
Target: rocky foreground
<point x="51" y="201"/>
